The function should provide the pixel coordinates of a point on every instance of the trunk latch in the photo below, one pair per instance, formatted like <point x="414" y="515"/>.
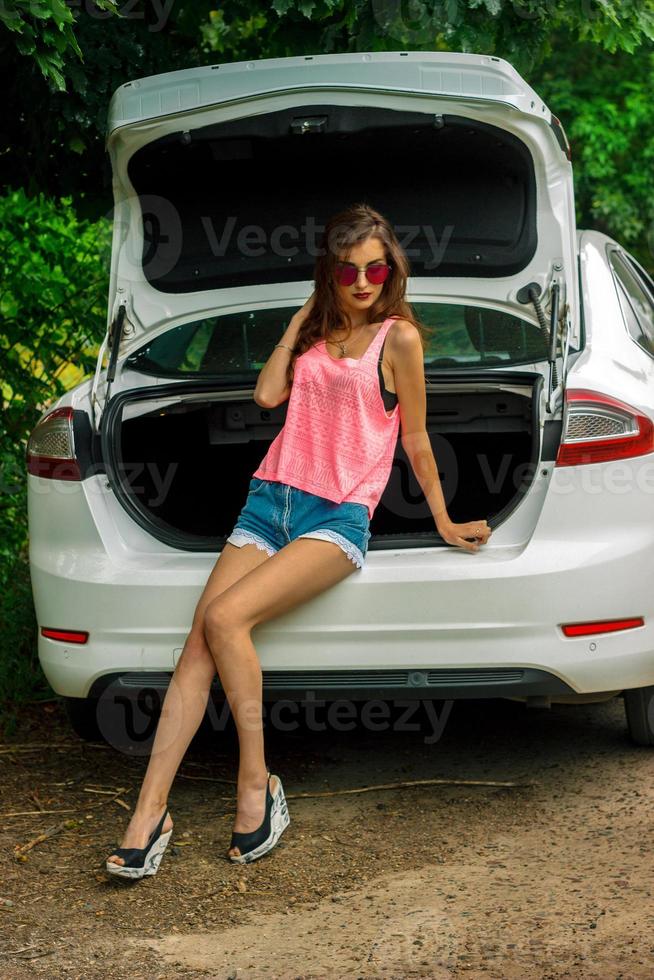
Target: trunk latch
<point x="308" y="124"/>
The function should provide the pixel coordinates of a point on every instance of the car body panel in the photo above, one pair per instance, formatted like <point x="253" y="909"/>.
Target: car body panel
<point x="610" y="361"/>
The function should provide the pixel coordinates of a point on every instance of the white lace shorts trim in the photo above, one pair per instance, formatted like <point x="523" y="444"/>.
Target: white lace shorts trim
<point x="240" y="536"/>
<point x="353" y="553"/>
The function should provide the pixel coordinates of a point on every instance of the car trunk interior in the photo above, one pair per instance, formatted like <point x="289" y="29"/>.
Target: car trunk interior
<point x="182" y="467"/>
<point x="242" y="202"/>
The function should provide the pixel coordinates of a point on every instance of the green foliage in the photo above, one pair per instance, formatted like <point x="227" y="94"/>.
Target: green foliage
<point x="21" y="676"/>
<point x="605" y="103"/>
<point x="54" y="141"/>
<point x="52" y="318"/>
<point x="43" y="30"/>
<point x="518" y="30"/>
<point x="618" y="25"/>
<point x="53" y="299"/>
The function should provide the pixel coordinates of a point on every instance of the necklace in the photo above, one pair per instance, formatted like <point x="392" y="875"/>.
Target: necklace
<point x="341" y="345"/>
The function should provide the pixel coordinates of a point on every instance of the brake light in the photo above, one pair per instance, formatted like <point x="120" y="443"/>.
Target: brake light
<point x="598" y="428"/>
<point x="50" y="449"/>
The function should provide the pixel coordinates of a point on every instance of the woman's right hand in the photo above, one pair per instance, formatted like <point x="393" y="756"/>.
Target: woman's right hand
<point x="460" y="534"/>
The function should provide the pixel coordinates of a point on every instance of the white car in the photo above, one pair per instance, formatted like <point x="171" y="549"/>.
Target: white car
<point x="540" y="394"/>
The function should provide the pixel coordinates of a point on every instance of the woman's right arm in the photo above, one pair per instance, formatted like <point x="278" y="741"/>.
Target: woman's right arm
<point x="271" y="388"/>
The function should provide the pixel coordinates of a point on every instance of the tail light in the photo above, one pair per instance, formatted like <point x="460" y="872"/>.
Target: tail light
<point x="598" y="428"/>
<point x="51" y="447"/>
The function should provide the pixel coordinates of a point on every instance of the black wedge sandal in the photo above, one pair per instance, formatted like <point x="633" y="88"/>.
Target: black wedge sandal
<point x="141" y="861"/>
<point x="258" y="842"/>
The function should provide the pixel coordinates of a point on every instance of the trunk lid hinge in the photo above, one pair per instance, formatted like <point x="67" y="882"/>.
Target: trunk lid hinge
<point x="112" y="341"/>
<point x="531" y="293"/>
<point x="553" y="382"/>
<point x="560" y="327"/>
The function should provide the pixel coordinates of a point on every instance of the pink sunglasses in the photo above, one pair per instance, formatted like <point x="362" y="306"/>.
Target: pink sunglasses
<point x="346" y="273"/>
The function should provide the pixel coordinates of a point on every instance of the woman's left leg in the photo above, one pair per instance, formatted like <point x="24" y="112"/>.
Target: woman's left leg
<point x="299" y="571"/>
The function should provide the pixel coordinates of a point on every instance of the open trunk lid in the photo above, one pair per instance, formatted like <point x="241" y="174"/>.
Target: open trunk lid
<point x="225" y="175"/>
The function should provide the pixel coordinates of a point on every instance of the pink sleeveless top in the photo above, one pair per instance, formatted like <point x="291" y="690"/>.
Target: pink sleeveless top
<point x="337" y="440"/>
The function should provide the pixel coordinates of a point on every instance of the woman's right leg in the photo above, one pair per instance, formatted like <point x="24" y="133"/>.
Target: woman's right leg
<point x="185" y="701"/>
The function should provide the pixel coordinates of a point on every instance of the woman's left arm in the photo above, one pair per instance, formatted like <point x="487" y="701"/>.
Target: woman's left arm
<point x="408" y="370"/>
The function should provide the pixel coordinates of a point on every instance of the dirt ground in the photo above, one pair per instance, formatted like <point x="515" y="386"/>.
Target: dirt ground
<point x="550" y="878"/>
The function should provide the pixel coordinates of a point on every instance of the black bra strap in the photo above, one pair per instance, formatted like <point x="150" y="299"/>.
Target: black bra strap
<point x="389" y="397"/>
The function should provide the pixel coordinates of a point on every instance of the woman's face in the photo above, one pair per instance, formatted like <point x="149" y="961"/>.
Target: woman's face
<point x="361" y="295"/>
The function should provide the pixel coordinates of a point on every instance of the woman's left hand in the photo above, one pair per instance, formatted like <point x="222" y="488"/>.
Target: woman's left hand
<point x="457" y="534"/>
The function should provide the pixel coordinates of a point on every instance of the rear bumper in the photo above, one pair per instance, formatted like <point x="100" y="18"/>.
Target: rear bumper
<point x="407" y="613"/>
<point x="361" y="685"/>
<point x="446" y="622"/>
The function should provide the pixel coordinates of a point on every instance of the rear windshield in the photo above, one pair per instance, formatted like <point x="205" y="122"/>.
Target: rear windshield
<point x="237" y="345"/>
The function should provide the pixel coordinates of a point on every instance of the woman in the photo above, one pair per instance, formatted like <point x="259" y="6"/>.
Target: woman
<point x="309" y="507"/>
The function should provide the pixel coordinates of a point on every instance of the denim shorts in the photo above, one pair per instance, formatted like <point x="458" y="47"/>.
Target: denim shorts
<point x="275" y="514"/>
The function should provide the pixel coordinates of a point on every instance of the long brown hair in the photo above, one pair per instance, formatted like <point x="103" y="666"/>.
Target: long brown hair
<point x="342" y="232"/>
